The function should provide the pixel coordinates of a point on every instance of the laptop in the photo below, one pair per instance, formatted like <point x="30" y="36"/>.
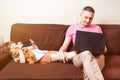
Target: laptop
<point x="94" y="42"/>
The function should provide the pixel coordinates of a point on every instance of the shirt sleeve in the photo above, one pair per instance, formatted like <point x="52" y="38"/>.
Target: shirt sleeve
<point x="70" y="31"/>
<point x="100" y="30"/>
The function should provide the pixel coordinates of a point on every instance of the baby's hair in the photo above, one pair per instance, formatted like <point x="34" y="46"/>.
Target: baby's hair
<point x="5" y="48"/>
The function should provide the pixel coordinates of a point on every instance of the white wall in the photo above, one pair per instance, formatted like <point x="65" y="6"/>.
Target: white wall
<point x="54" y="11"/>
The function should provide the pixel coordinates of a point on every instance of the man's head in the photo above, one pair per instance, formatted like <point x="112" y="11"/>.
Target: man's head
<point x="86" y="16"/>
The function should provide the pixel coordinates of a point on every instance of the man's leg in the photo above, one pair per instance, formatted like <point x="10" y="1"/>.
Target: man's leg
<point x="90" y="66"/>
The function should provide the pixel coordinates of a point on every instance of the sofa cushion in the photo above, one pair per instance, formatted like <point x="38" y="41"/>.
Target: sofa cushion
<point x="46" y="36"/>
<point x="52" y="71"/>
<point x="112" y="67"/>
<point x="112" y="33"/>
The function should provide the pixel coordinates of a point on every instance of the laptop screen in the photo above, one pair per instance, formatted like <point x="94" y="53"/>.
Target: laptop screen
<point x="94" y="42"/>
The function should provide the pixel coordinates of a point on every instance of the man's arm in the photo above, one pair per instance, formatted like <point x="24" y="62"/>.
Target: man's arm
<point x="63" y="49"/>
<point x="105" y="49"/>
<point x="65" y="45"/>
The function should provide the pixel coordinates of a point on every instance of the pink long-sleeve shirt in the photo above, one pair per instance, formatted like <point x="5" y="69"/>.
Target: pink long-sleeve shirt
<point x="71" y="31"/>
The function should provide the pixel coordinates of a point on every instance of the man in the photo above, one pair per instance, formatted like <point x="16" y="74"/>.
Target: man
<point x="92" y="65"/>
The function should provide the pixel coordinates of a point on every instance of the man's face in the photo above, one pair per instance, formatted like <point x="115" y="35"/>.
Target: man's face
<point x="86" y="18"/>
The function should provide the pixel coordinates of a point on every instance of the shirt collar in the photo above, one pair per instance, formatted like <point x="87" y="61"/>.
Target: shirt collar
<point x="83" y="26"/>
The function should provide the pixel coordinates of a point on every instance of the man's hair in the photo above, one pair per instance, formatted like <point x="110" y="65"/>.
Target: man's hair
<point x="89" y="8"/>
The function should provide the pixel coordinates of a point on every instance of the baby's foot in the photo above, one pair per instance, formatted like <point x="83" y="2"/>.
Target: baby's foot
<point x="33" y="44"/>
<point x="31" y="41"/>
<point x="62" y="57"/>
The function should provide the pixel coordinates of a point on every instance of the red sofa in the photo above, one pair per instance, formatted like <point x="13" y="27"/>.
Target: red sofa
<point x="51" y="37"/>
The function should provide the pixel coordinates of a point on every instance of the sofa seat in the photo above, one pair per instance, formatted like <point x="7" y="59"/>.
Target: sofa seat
<point x="52" y="71"/>
<point x="112" y="68"/>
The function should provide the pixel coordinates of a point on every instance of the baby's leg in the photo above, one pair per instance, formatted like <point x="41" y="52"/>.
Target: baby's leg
<point x="54" y="56"/>
<point x="49" y="57"/>
<point x="70" y="55"/>
<point x="57" y="56"/>
<point x="33" y="44"/>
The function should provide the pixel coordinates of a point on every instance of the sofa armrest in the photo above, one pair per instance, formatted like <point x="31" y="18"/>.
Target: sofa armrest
<point x="4" y="59"/>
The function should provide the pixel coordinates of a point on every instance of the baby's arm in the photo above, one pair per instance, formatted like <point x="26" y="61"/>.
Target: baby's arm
<point x="22" y="58"/>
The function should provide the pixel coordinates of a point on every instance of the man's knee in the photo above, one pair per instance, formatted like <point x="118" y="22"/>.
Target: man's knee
<point x="85" y="54"/>
<point x="79" y="59"/>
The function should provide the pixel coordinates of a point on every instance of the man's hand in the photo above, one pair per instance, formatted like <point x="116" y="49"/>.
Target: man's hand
<point x="63" y="56"/>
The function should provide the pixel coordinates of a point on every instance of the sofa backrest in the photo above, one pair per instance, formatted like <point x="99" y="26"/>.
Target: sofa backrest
<point x="51" y="36"/>
<point x="112" y="33"/>
<point x="46" y="36"/>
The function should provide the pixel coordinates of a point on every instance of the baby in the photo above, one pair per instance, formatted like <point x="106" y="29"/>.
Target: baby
<point x="42" y="56"/>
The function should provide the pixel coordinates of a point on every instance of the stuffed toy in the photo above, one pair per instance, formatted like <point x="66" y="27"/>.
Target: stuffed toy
<point x="29" y="55"/>
<point x="22" y="54"/>
<point x="15" y="55"/>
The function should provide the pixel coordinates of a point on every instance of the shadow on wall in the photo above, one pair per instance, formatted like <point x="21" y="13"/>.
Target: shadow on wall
<point x="1" y="39"/>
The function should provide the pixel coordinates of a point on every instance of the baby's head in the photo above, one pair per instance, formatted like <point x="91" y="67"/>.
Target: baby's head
<point x="9" y="46"/>
<point x="6" y="47"/>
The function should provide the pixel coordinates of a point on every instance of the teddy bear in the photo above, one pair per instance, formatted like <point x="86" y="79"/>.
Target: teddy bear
<point x="23" y="55"/>
<point x="15" y="55"/>
<point x="29" y="55"/>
